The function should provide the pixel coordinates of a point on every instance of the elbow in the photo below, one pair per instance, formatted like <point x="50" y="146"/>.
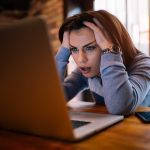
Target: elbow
<point x="124" y="105"/>
<point x="121" y="109"/>
<point x="124" y="112"/>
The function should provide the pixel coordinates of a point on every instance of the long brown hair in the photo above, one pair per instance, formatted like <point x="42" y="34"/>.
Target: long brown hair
<point x="114" y="28"/>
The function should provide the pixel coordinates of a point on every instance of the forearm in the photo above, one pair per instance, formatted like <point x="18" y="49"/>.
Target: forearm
<point x="122" y="93"/>
<point x="61" y="58"/>
<point x="74" y="83"/>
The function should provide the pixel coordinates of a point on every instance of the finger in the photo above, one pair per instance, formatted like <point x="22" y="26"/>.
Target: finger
<point x="97" y="23"/>
<point x="97" y="30"/>
<point x="91" y="26"/>
<point x="101" y="27"/>
<point x="66" y="35"/>
<point x="101" y="35"/>
<point x="65" y="42"/>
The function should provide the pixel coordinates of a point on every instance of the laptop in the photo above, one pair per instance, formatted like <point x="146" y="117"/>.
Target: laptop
<point x="32" y="99"/>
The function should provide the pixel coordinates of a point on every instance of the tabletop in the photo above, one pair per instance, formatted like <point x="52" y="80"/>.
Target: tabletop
<point x="131" y="134"/>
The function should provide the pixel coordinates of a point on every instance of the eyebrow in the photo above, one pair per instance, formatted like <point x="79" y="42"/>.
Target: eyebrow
<point x="85" y="44"/>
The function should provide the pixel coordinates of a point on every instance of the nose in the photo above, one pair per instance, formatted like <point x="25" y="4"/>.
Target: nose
<point x="82" y="58"/>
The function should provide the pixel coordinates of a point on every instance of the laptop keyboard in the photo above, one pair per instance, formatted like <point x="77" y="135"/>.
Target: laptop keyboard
<point x="76" y="123"/>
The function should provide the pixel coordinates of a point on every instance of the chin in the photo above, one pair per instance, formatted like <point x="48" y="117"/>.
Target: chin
<point x="89" y="75"/>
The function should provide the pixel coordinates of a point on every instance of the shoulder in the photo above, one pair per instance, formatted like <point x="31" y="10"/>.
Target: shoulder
<point x="141" y="59"/>
<point x="141" y="62"/>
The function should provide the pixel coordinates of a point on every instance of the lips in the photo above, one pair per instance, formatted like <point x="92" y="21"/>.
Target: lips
<point x="85" y="70"/>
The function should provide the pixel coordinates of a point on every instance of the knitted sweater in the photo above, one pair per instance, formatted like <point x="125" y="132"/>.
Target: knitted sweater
<point x="121" y="91"/>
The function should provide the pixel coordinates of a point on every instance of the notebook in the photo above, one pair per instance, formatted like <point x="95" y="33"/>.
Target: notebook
<point x="32" y="99"/>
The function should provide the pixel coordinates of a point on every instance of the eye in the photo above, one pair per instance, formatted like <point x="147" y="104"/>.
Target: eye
<point x="90" y="48"/>
<point x="73" y="50"/>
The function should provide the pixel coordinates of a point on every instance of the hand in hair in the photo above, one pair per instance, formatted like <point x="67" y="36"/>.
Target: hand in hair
<point x="101" y="36"/>
<point x="65" y="42"/>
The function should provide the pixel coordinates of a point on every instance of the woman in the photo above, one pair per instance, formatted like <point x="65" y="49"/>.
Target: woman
<point x="107" y="62"/>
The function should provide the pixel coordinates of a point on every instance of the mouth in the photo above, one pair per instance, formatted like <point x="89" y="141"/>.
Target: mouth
<point x="85" y="70"/>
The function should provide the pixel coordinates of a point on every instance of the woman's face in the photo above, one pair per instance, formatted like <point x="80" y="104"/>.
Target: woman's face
<point x="85" y="51"/>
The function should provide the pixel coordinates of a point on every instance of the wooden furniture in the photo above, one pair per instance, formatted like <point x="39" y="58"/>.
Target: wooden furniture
<point x="129" y="134"/>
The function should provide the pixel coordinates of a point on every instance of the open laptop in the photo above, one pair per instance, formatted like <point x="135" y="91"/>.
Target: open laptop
<point x="31" y="96"/>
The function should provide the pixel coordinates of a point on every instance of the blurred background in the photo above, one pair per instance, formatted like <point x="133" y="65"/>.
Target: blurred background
<point x="134" y="14"/>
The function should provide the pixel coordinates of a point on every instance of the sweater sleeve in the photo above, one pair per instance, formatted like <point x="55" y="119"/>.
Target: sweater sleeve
<point x="73" y="83"/>
<point x="123" y="91"/>
<point x="61" y="58"/>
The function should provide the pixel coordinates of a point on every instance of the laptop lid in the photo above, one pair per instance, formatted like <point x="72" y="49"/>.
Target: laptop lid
<point x="31" y="98"/>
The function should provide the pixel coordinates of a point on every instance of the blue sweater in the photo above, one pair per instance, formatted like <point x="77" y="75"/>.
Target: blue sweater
<point x="122" y="91"/>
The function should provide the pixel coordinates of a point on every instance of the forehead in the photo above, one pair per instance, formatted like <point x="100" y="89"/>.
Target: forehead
<point x="81" y="37"/>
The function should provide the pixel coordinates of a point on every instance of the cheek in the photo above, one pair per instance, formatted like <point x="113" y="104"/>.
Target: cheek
<point x="95" y="57"/>
<point x="95" y="60"/>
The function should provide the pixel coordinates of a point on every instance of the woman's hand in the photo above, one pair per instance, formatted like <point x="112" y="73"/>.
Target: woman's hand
<point x="65" y="42"/>
<point x="101" y="36"/>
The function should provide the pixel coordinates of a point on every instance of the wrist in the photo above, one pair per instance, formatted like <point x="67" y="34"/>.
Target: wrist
<point x="65" y="46"/>
<point x="63" y="54"/>
<point x="112" y="49"/>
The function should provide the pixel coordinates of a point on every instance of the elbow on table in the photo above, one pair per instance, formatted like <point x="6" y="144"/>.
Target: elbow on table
<point x="120" y="110"/>
<point x="122" y="106"/>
